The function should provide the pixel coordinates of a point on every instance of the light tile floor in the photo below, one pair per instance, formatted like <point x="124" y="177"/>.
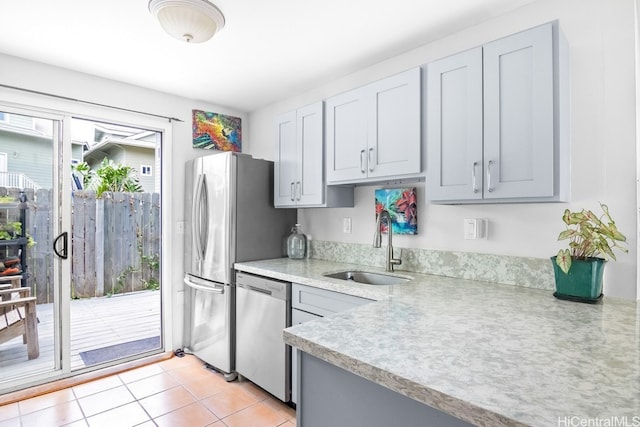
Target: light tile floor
<point x="175" y="392"/>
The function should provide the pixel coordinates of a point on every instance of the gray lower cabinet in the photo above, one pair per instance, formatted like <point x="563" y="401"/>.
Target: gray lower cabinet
<point x="331" y="396"/>
<point x="309" y="303"/>
<point x="297" y="317"/>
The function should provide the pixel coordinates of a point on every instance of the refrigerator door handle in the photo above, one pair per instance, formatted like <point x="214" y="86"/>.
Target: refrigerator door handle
<point x="195" y="223"/>
<point x="196" y="217"/>
<point x="204" y="217"/>
<point x="190" y="284"/>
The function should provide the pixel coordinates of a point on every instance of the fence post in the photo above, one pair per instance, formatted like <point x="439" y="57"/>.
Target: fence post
<point x="154" y="233"/>
<point x="78" y="286"/>
<point x="98" y="252"/>
<point x="110" y="255"/>
<point x="41" y="261"/>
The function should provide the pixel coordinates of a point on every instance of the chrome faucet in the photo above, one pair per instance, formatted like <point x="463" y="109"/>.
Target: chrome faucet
<point x="377" y="240"/>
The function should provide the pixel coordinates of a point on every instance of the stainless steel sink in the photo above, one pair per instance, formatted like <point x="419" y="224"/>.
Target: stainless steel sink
<point x="368" y="278"/>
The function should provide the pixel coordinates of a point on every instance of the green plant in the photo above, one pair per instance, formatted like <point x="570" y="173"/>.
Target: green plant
<point x="112" y="177"/>
<point x="13" y="230"/>
<point x="10" y="230"/>
<point x="120" y="280"/>
<point x="589" y="236"/>
<point x="151" y="285"/>
<point x="150" y="261"/>
<point x="83" y="170"/>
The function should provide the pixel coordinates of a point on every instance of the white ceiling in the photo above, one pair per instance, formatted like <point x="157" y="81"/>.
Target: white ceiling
<point x="268" y="50"/>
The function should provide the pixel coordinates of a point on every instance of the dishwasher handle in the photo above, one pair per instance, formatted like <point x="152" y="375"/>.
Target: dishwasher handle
<point x="263" y="285"/>
<point x="211" y="289"/>
<point x="255" y="289"/>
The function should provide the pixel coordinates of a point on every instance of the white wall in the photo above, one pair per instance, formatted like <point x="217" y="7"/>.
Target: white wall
<point x="602" y="47"/>
<point x="39" y="77"/>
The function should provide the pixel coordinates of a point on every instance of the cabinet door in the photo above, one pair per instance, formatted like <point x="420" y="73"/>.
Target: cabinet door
<point x="519" y="115"/>
<point x="454" y="127"/>
<point x="297" y="317"/>
<point x="309" y="185"/>
<point x="393" y="122"/>
<point x="346" y="137"/>
<point x="285" y="168"/>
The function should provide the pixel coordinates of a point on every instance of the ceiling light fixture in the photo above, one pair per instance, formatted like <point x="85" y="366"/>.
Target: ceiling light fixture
<point x="192" y="21"/>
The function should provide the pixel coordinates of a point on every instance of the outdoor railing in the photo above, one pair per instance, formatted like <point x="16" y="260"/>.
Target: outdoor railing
<point x="17" y="180"/>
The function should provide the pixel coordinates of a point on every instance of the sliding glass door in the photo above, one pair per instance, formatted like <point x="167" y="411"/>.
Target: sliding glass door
<point x="115" y="243"/>
<point x="33" y="213"/>
<point x="80" y="244"/>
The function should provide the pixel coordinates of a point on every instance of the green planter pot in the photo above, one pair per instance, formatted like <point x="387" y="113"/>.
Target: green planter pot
<point x="583" y="282"/>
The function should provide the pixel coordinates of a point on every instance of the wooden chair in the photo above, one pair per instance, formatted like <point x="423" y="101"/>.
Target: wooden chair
<point x="18" y="317"/>
<point x="14" y="281"/>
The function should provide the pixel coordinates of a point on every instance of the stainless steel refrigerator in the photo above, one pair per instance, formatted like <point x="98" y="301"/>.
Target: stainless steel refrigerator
<point x="229" y="218"/>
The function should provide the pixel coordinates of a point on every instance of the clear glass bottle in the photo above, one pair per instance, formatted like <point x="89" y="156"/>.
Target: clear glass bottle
<point x="297" y="243"/>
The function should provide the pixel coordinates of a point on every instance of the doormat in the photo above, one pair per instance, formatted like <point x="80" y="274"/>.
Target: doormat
<point x="118" y="351"/>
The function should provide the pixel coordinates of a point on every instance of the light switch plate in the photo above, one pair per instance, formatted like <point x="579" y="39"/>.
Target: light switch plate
<point x="475" y="228"/>
<point x="346" y="225"/>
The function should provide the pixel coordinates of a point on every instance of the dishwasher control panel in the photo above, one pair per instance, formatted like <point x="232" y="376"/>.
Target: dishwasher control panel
<point x="274" y="288"/>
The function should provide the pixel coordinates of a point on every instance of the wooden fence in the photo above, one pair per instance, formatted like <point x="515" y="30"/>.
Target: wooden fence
<point x="114" y="243"/>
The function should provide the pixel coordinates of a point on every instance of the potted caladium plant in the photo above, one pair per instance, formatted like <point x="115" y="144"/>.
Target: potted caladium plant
<point x="579" y="268"/>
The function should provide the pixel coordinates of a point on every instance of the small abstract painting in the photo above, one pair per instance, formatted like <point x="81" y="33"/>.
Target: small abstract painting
<point x="402" y="206"/>
<point x="215" y="131"/>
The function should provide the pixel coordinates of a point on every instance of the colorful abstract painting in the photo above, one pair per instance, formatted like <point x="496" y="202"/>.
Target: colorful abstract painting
<point x="402" y="206"/>
<point x="216" y="131"/>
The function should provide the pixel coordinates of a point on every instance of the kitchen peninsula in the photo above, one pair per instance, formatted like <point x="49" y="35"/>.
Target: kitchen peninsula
<point x="484" y="353"/>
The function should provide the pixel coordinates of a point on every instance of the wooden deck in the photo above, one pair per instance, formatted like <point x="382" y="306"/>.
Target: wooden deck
<point x="95" y="323"/>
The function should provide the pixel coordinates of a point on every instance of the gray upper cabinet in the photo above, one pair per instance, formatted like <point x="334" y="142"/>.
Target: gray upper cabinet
<point x="497" y="121"/>
<point x="285" y="173"/>
<point x="299" y="169"/>
<point x="346" y="136"/>
<point x="373" y="132"/>
<point x="454" y="127"/>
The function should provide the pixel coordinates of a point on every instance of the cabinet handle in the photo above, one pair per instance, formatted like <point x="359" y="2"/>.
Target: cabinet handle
<point x="298" y="190"/>
<point x="362" y="162"/>
<point x="489" y="187"/>
<point x="473" y="177"/>
<point x="293" y="192"/>
<point x="370" y="161"/>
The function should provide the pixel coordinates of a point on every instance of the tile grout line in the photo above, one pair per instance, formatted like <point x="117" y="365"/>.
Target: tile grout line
<point x="136" y="400"/>
<point x="77" y="400"/>
<point x="245" y="387"/>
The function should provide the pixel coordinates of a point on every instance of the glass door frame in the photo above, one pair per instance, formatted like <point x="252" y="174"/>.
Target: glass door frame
<point x="61" y="112"/>
<point x="61" y="220"/>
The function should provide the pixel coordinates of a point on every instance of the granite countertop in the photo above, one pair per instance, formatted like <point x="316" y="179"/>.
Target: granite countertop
<point x="488" y="354"/>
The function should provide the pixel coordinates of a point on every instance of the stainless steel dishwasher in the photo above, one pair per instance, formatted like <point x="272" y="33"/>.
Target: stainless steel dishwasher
<point x="263" y="308"/>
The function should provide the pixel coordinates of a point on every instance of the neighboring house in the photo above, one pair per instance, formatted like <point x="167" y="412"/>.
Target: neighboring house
<point x="127" y="146"/>
<point x="26" y="151"/>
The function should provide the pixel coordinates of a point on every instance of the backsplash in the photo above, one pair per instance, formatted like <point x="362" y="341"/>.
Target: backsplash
<point x="508" y="270"/>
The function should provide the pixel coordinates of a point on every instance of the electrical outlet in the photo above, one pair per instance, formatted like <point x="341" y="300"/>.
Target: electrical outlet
<point x="180" y="227"/>
<point x="346" y="225"/>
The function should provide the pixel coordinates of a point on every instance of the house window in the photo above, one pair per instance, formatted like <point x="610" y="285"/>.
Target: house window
<point x="3" y="118"/>
<point x="145" y="170"/>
